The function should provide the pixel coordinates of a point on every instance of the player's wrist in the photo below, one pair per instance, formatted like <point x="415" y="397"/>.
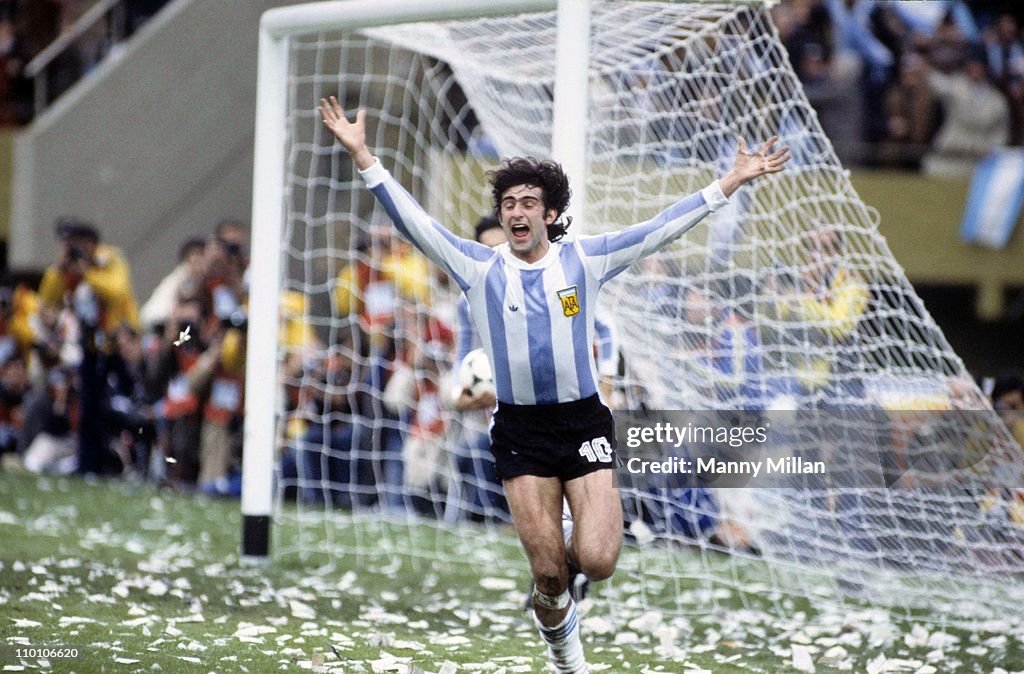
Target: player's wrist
<point x="730" y="182"/>
<point x="362" y="157"/>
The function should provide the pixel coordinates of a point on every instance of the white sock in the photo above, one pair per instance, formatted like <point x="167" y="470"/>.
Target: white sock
<point x="564" y="647"/>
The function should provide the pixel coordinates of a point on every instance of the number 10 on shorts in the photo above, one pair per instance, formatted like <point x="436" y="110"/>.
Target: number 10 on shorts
<point x="596" y="451"/>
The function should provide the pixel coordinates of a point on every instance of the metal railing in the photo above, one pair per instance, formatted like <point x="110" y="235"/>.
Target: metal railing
<point x="112" y="12"/>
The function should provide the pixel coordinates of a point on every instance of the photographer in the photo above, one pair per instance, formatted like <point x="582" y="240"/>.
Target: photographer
<point x="91" y="277"/>
<point x="93" y="280"/>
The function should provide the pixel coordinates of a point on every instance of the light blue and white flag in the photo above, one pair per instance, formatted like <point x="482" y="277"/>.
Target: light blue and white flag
<point x="995" y="198"/>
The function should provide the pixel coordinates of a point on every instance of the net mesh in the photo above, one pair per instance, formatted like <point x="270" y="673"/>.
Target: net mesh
<point x="788" y="298"/>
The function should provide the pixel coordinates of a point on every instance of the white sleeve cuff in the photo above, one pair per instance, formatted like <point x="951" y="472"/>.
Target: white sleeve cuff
<point x="375" y="174"/>
<point x="713" y="195"/>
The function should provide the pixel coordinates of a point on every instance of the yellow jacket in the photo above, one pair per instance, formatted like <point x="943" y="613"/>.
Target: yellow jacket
<point x="409" y="273"/>
<point x="839" y="314"/>
<point x="109" y="278"/>
<point x="833" y="320"/>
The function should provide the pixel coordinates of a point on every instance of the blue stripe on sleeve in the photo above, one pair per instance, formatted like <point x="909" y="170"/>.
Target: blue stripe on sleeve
<point x="495" y="298"/>
<point x="467" y="332"/>
<point x="466" y="339"/>
<point x="574" y="273"/>
<point x="542" y="355"/>
<point x="613" y="273"/>
<point x="470" y="249"/>
<point x="633" y="235"/>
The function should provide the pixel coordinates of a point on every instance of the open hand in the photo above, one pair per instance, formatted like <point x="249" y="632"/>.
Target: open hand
<point x="750" y="165"/>
<point x="352" y="135"/>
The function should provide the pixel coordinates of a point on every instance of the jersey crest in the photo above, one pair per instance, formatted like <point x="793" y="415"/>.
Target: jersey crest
<point x="570" y="301"/>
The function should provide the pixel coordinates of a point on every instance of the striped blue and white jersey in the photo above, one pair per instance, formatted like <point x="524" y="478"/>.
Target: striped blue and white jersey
<point x="607" y="346"/>
<point x="536" y="320"/>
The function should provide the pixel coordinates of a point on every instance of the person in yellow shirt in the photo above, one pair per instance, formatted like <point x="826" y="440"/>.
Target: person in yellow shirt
<point x="92" y="277"/>
<point x="385" y="270"/>
<point x="94" y="280"/>
<point x="832" y="304"/>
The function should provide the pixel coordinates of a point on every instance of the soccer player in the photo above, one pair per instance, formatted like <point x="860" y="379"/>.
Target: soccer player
<point x="532" y="301"/>
<point x="490" y="233"/>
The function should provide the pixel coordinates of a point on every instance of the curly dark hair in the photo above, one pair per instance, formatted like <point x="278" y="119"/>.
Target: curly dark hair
<point x="545" y="174"/>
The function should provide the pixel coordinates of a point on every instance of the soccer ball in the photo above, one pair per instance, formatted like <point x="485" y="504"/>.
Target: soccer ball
<point x="475" y="373"/>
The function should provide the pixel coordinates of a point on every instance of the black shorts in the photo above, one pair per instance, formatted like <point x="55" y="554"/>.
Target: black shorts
<point x="563" y="440"/>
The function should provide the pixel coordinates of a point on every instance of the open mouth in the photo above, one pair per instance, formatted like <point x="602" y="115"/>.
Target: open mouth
<point x="520" y="232"/>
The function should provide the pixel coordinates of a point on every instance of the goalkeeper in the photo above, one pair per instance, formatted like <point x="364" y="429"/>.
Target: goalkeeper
<point x="532" y="301"/>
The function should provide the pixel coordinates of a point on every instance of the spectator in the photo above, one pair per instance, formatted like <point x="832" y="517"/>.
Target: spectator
<point x="862" y="58"/>
<point x="415" y="389"/>
<point x="977" y="119"/>
<point x="219" y="377"/>
<point x="130" y="417"/>
<point x="331" y="465"/>
<point x="829" y="306"/>
<point x="13" y="387"/>
<point x="1008" y="401"/>
<point x="93" y="279"/>
<point x="183" y="281"/>
<point x="385" y="270"/>
<point x="946" y="50"/>
<point x="52" y="448"/>
<point x="227" y="261"/>
<point x="17" y="306"/>
<point x="181" y="405"/>
<point x="1005" y="59"/>
<point x="911" y="110"/>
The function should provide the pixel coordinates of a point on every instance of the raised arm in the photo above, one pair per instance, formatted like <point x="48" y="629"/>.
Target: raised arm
<point x="460" y="258"/>
<point x="612" y="253"/>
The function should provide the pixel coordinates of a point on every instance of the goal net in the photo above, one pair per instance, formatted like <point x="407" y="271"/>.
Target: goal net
<point x="786" y="306"/>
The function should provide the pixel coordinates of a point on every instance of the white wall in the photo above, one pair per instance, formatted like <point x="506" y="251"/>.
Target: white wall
<point x="153" y="146"/>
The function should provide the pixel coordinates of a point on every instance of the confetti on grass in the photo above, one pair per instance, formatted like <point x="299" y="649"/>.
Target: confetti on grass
<point x="360" y="621"/>
<point x="498" y="584"/>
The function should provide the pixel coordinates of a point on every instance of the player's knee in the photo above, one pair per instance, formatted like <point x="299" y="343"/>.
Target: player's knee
<point x="599" y="567"/>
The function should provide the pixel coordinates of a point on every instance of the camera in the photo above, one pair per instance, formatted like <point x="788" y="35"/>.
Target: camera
<point x="75" y="253"/>
<point x="231" y="248"/>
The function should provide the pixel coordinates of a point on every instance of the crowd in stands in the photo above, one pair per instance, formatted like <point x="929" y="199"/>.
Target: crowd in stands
<point x="933" y="85"/>
<point x="88" y="386"/>
<point x="930" y="85"/>
<point x="27" y="27"/>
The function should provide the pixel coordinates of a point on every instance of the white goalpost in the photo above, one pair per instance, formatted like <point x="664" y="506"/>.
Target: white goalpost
<point x="277" y="27"/>
<point x="787" y="299"/>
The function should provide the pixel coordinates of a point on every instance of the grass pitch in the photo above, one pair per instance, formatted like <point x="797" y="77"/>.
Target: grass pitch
<point x="141" y="580"/>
